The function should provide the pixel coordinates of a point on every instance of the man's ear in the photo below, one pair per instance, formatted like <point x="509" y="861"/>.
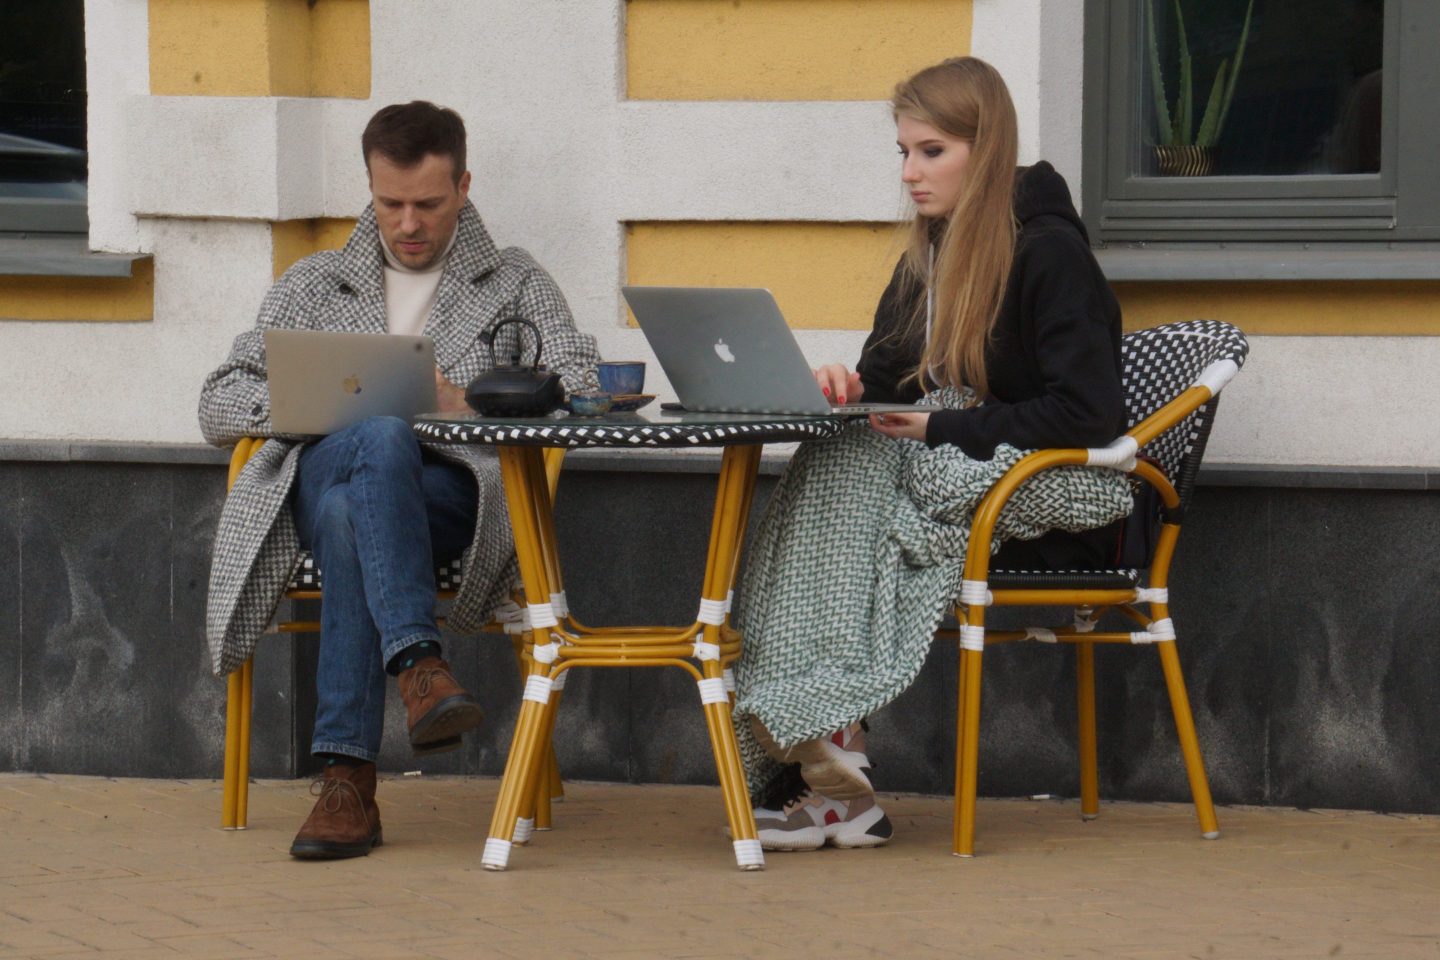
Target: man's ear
<point x="464" y="186"/>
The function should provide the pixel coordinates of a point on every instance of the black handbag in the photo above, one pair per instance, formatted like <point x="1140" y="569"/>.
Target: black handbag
<point x="515" y="390"/>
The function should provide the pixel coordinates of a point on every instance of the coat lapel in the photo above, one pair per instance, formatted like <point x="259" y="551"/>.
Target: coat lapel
<point x="361" y="270"/>
<point x="473" y="256"/>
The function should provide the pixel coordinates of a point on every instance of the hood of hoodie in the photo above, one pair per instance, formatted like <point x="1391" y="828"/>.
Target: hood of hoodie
<point x="1041" y="192"/>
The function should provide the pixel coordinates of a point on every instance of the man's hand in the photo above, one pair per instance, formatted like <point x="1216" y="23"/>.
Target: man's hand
<point x="839" y="384"/>
<point x="448" y="397"/>
<point x="897" y="425"/>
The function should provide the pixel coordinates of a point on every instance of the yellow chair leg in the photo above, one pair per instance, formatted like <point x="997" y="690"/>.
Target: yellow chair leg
<point x="1189" y="743"/>
<point x="1089" y="765"/>
<point x="242" y="782"/>
<point x="557" y="785"/>
<point x="232" y="750"/>
<point x="967" y="746"/>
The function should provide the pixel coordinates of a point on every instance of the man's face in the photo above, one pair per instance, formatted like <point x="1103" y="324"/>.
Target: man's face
<point x="417" y="207"/>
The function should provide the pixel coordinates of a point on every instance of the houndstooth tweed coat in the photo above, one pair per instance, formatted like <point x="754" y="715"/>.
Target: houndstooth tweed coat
<point x="256" y="545"/>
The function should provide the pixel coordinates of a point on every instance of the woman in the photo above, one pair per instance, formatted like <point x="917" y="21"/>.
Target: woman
<point x="999" y="299"/>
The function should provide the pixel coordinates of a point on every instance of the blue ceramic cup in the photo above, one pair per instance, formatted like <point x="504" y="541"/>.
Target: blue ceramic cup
<point x="620" y="377"/>
<point x="590" y="404"/>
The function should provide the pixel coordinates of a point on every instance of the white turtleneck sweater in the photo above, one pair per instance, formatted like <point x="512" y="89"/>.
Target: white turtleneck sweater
<point x="410" y="293"/>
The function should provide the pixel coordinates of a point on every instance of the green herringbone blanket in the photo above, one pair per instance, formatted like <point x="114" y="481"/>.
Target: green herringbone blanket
<point x="860" y="554"/>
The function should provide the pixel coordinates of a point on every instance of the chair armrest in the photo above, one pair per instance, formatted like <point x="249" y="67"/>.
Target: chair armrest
<point x="246" y="448"/>
<point x="982" y="525"/>
<point x="1119" y="454"/>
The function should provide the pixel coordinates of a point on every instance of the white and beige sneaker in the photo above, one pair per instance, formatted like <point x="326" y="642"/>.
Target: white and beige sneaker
<point x="811" y="821"/>
<point x="833" y="766"/>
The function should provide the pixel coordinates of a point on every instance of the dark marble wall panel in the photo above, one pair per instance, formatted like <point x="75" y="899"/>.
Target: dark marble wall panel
<point x="1306" y="623"/>
<point x="1355" y="707"/>
<point x="635" y="554"/>
<point x="1220" y="602"/>
<point x="14" y="742"/>
<point x="100" y="693"/>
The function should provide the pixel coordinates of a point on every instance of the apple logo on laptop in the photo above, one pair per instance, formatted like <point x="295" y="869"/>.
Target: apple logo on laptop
<point x="351" y="384"/>
<point x="723" y="352"/>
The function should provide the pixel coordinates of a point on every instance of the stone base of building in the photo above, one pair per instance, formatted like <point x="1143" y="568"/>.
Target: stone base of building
<point x="1307" y="605"/>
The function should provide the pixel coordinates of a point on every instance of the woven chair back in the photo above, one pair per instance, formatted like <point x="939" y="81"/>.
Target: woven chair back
<point x="1159" y="364"/>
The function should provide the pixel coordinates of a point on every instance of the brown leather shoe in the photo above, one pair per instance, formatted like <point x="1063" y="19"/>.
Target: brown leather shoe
<point x="345" y="821"/>
<point x="437" y="708"/>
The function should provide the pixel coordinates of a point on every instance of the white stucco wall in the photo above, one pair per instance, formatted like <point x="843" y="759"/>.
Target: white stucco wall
<point x="561" y="161"/>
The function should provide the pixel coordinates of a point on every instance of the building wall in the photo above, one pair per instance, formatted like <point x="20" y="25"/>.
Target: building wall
<point x="660" y="140"/>
<point x="609" y="138"/>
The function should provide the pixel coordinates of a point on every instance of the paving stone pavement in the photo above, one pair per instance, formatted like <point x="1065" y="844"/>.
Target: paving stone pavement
<point x="138" y="870"/>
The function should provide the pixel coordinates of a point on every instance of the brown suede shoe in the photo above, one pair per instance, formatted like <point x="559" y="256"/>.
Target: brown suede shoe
<point x="437" y="708"/>
<point x="345" y="821"/>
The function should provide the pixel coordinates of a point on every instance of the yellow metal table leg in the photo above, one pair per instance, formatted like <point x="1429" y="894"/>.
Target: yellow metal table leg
<point x="518" y="784"/>
<point x="737" y="479"/>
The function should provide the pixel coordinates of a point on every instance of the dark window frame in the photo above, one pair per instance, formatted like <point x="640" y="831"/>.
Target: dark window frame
<point x="1399" y="204"/>
<point x="54" y="215"/>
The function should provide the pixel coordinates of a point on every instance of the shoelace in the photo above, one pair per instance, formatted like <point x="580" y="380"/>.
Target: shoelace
<point x="332" y="793"/>
<point x="424" y="677"/>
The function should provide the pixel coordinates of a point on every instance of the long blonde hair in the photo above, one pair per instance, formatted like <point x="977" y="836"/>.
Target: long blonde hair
<point x="965" y="98"/>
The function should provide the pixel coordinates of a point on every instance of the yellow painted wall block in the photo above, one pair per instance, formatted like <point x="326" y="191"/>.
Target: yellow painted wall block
<point x="293" y="239"/>
<point x="217" y="48"/>
<point x="786" y="49"/>
<point x="121" y="299"/>
<point x="340" y="49"/>
<point x="825" y="276"/>
<point x="260" y="48"/>
<point x="1328" y="308"/>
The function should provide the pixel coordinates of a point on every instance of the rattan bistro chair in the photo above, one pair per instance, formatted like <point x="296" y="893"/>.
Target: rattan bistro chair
<point x="1172" y="377"/>
<point x="305" y="584"/>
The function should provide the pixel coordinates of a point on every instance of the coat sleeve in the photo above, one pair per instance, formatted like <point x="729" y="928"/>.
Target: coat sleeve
<point x="235" y="398"/>
<point x="1074" y="351"/>
<point x="568" y="352"/>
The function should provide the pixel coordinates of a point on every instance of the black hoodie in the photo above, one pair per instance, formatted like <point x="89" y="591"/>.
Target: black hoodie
<point x="1053" y="361"/>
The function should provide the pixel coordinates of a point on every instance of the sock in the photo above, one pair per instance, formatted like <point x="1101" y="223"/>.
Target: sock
<point x="340" y="760"/>
<point x="411" y="655"/>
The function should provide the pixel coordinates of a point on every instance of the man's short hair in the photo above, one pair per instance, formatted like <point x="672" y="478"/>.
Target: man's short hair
<point x="404" y="133"/>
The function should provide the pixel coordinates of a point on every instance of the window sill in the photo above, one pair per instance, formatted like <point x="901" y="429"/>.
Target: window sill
<point x="1159" y="262"/>
<point x="61" y="256"/>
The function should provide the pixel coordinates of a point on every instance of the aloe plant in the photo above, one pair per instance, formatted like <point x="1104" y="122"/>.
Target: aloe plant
<point x="1177" y="126"/>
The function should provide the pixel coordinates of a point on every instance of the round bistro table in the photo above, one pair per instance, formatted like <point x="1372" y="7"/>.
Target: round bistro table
<point x="556" y="642"/>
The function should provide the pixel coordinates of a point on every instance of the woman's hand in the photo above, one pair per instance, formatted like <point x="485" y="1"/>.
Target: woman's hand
<point x="839" y="385"/>
<point x="897" y="425"/>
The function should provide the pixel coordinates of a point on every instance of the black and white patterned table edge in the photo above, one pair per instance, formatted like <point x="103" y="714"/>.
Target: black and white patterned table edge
<point x="562" y="434"/>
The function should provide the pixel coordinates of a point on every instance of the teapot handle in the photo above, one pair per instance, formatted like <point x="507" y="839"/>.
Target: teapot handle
<point x="489" y="338"/>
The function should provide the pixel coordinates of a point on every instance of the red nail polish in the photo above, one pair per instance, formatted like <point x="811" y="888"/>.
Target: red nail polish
<point x="842" y="398"/>
<point x="827" y="390"/>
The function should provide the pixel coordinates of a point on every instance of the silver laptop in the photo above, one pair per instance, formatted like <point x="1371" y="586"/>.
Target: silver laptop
<point x="729" y="350"/>
<point x="321" y="381"/>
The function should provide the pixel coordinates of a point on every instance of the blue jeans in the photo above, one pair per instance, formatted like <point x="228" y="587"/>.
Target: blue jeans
<point x="379" y="514"/>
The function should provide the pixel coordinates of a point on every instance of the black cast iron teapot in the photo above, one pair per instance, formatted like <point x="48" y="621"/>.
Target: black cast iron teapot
<point x="514" y="390"/>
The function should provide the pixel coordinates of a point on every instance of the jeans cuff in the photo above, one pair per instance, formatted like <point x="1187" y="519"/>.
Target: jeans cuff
<point x="391" y="649"/>
<point x="345" y="750"/>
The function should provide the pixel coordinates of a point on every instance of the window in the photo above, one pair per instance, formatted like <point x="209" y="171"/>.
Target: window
<point x="43" y="168"/>
<point x="1325" y="132"/>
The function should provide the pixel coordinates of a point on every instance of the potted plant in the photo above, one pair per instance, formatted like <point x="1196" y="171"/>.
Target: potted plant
<point x="1182" y="150"/>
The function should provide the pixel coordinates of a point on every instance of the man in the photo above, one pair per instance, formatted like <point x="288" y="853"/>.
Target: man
<point x="377" y="511"/>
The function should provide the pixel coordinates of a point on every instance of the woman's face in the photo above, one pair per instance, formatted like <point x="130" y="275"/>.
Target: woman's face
<point x="933" y="167"/>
